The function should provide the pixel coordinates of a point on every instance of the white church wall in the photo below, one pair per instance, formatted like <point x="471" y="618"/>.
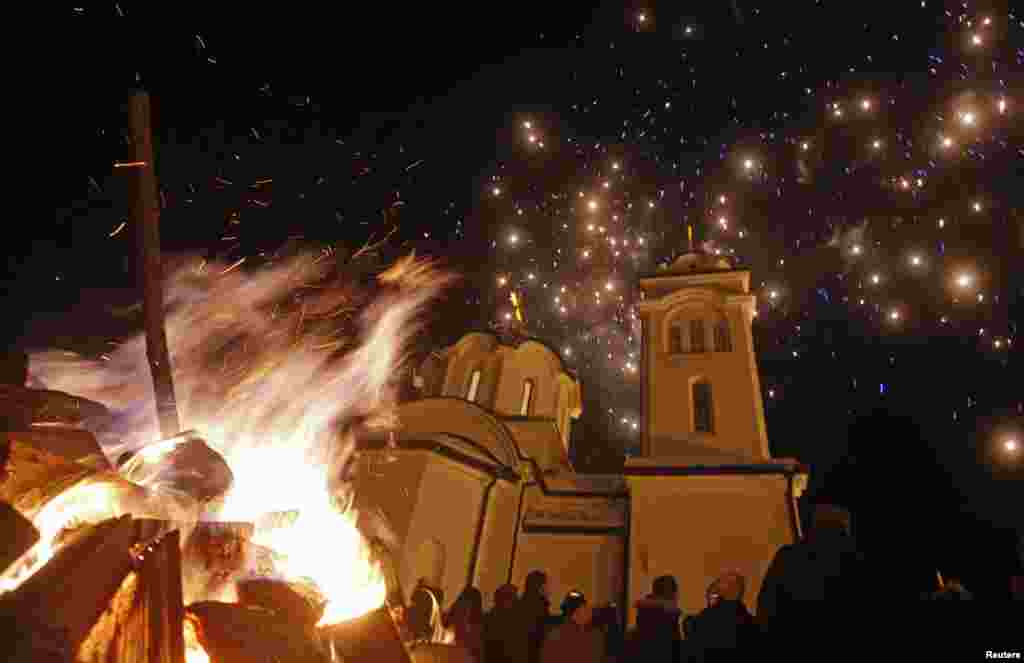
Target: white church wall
<point x="495" y="555"/>
<point x="530" y="361"/>
<point x="538" y="439"/>
<point x="387" y="487"/>
<point x="447" y="510"/>
<point x="736" y="398"/>
<point x="590" y="563"/>
<point x="697" y="527"/>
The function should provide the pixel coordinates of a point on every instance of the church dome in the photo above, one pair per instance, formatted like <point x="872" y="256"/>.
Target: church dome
<point x="699" y="262"/>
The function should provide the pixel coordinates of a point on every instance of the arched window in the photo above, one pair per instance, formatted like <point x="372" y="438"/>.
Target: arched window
<point x="723" y="341"/>
<point x="703" y="407"/>
<point x="697" y="339"/>
<point x="474" y="385"/>
<point x="675" y="339"/>
<point x="524" y="405"/>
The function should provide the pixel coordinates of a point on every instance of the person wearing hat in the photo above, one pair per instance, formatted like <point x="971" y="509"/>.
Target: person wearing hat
<point x="574" y="639"/>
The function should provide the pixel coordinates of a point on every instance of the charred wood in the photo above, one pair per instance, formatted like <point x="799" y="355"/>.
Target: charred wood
<point x="21" y="407"/>
<point x="371" y="638"/>
<point x="17" y="535"/>
<point x="73" y="444"/>
<point x="53" y="611"/>
<point x="144" y="621"/>
<point x="234" y="633"/>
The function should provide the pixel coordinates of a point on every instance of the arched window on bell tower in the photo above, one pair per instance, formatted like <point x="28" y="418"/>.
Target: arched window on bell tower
<point x="524" y="404"/>
<point x="703" y="407"/>
<point x="474" y="385"/>
<point x="723" y="340"/>
<point x="698" y="341"/>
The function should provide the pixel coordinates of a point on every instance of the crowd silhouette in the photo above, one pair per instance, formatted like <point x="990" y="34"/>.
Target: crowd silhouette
<point x="822" y="573"/>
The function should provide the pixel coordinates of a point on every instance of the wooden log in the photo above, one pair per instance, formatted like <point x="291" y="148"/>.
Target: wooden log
<point x="144" y="621"/>
<point x="289" y="600"/>
<point x="215" y="556"/>
<point x="21" y="407"/>
<point x="183" y="463"/>
<point x="371" y="638"/>
<point x="233" y="633"/>
<point x="17" y="535"/>
<point x="34" y="477"/>
<point x="145" y="218"/>
<point x="74" y="444"/>
<point x="54" y="610"/>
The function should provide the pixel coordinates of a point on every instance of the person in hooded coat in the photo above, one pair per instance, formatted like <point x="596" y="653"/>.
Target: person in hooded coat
<point x="657" y="638"/>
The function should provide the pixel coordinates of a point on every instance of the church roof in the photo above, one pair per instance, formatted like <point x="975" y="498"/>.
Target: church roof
<point x="514" y="340"/>
<point x="694" y="262"/>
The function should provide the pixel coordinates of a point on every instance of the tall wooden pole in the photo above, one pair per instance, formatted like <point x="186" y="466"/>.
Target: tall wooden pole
<point x="145" y="216"/>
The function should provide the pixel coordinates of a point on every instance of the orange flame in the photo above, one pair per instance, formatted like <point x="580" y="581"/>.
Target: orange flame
<point x="270" y="383"/>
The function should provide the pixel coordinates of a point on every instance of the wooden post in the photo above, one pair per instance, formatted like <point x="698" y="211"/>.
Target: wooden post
<point x="145" y="215"/>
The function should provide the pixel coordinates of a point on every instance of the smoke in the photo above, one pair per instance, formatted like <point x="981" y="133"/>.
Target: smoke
<point x="297" y="346"/>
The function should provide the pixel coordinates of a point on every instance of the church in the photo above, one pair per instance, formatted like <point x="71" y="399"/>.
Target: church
<point x="476" y="488"/>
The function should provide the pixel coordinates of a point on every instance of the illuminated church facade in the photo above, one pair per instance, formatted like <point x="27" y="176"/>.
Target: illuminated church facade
<point x="477" y="487"/>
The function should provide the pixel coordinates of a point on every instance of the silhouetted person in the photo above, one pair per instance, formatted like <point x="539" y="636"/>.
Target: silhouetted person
<point x="466" y="620"/>
<point x="574" y="640"/>
<point x="725" y="624"/>
<point x="535" y="613"/>
<point x="423" y="615"/>
<point x="825" y="566"/>
<point x="657" y="638"/>
<point x="504" y="631"/>
<point x="606" y="620"/>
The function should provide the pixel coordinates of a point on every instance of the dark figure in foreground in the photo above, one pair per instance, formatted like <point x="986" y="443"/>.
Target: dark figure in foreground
<point x="535" y="612"/>
<point x="504" y="635"/>
<point x="825" y="566"/>
<point x="606" y="619"/>
<point x="657" y="638"/>
<point x="466" y="619"/>
<point x="574" y="640"/>
<point x="725" y="624"/>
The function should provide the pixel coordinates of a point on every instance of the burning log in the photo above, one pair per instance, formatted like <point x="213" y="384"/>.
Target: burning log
<point x="74" y="444"/>
<point x="89" y="571"/>
<point x="286" y="599"/>
<point x="34" y="477"/>
<point x="21" y="407"/>
<point x="233" y="633"/>
<point x="184" y="463"/>
<point x="144" y="621"/>
<point x="97" y="601"/>
<point x="17" y="535"/>
<point x="215" y="554"/>
<point x="371" y="638"/>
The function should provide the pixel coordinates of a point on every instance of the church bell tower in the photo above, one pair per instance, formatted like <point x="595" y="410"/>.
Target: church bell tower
<point x="701" y="395"/>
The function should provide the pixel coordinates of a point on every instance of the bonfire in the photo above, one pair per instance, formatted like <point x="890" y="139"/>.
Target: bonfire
<point x="275" y="371"/>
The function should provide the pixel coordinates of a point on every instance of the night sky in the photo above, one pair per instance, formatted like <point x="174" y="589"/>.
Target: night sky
<point x="864" y="162"/>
